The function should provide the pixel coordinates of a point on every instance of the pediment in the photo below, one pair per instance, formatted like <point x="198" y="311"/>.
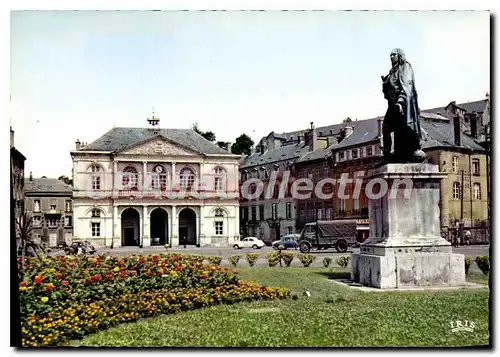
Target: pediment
<point x="159" y="146"/>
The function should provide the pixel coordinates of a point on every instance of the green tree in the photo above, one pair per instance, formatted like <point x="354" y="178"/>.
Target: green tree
<point x="242" y="145"/>
<point x="221" y="144"/>
<point x="347" y="120"/>
<point x="209" y="135"/>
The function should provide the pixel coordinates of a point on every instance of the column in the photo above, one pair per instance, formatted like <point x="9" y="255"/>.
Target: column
<point x="116" y="242"/>
<point x="201" y="218"/>
<point x="141" y="230"/>
<point x="237" y="223"/>
<point x="174" y="237"/>
<point x="144" y="177"/>
<point x="146" y="242"/>
<point x="115" y="178"/>
<point x="198" y="227"/>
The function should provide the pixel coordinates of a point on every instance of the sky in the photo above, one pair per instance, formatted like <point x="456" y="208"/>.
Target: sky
<point x="76" y="74"/>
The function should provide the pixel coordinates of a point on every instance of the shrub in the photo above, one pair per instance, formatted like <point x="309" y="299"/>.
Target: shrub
<point x="327" y="261"/>
<point x="287" y="258"/>
<point x="252" y="258"/>
<point x="64" y="298"/>
<point x="214" y="260"/>
<point x="273" y="258"/>
<point x="343" y="261"/>
<point x="234" y="259"/>
<point x="306" y="259"/>
<point x="467" y="264"/>
<point x="484" y="264"/>
<point x="166" y="246"/>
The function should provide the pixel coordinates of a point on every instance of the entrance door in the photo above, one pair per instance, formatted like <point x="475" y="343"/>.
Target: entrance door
<point x="187" y="226"/>
<point x="159" y="227"/>
<point x="129" y="236"/>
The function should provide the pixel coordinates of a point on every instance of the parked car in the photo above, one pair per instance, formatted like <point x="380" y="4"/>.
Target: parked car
<point x="249" y="242"/>
<point x="338" y="234"/>
<point x="79" y="248"/>
<point x="288" y="241"/>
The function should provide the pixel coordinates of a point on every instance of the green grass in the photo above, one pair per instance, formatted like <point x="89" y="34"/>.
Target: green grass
<point x="333" y="316"/>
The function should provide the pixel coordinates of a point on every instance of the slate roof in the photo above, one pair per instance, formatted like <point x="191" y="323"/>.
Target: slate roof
<point x="439" y="134"/>
<point x="39" y="185"/>
<point x="476" y="106"/>
<point x="282" y="153"/>
<point x="118" y="139"/>
<point x="363" y="131"/>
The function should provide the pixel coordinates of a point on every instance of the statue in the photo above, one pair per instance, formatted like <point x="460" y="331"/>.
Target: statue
<point x="403" y="115"/>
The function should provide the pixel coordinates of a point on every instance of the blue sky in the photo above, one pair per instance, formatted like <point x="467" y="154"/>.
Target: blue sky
<point x="78" y="74"/>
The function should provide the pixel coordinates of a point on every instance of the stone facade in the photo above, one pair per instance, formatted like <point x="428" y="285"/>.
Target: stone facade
<point x="143" y="186"/>
<point x="49" y="202"/>
<point x="17" y="179"/>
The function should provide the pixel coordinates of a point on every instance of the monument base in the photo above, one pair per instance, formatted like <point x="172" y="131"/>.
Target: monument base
<point x="409" y="270"/>
<point x="405" y="248"/>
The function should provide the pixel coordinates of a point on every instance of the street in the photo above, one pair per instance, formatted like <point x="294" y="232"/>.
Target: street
<point x="225" y="252"/>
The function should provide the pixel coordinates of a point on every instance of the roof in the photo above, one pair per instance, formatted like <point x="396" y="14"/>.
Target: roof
<point x="46" y="185"/>
<point x="476" y="106"/>
<point x="363" y="131"/>
<point x="14" y="153"/>
<point x="118" y="139"/>
<point x="282" y="153"/>
<point x="439" y="134"/>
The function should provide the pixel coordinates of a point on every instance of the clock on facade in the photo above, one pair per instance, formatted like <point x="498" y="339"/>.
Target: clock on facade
<point x="159" y="169"/>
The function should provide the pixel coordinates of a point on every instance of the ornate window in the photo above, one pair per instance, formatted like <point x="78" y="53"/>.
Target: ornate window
<point x="219" y="222"/>
<point x="219" y="178"/>
<point x="96" y="177"/>
<point x="130" y="178"/>
<point x="159" y="178"/>
<point x="187" y="179"/>
<point x="454" y="164"/>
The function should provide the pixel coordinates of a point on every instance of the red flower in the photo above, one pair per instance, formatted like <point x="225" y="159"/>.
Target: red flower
<point x="23" y="283"/>
<point x="58" y="276"/>
<point x="38" y="279"/>
<point x="133" y="273"/>
<point x="19" y="260"/>
<point x="109" y="277"/>
<point x="141" y="260"/>
<point x="49" y="286"/>
<point x="65" y="282"/>
<point x="203" y="276"/>
<point x="156" y="258"/>
<point x="95" y="277"/>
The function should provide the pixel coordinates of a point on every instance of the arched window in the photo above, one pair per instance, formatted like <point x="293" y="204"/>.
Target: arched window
<point x="159" y="178"/>
<point x="456" y="190"/>
<point x="96" y="213"/>
<point x="187" y="179"/>
<point x="95" y="176"/>
<point x="219" y="178"/>
<point x="219" y="222"/>
<point x="130" y="178"/>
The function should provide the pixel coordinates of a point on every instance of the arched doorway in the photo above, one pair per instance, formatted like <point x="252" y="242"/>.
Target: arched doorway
<point x="130" y="227"/>
<point x="159" y="227"/>
<point x="187" y="226"/>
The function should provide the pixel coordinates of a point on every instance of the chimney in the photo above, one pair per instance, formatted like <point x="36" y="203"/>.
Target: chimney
<point x="474" y="132"/>
<point x="457" y="129"/>
<point x="11" y="137"/>
<point x="31" y="176"/>
<point x="77" y="144"/>
<point x="228" y="147"/>
<point x="299" y="138"/>
<point x="262" y="149"/>
<point x="313" y="138"/>
<point x="348" y="130"/>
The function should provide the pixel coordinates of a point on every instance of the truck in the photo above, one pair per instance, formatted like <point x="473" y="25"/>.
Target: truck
<point x="338" y="234"/>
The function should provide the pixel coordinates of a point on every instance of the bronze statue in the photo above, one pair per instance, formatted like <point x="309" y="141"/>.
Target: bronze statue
<point x="403" y="115"/>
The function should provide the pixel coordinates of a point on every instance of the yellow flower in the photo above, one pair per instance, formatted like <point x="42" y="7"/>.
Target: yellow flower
<point x="22" y="288"/>
<point x="116" y="269"/>
<point x="44" y="299"/>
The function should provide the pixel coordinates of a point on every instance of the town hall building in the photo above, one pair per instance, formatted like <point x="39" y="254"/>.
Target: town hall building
<point x="152" y="186"/>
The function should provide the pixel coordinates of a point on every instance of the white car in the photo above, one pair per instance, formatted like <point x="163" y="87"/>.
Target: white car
<point x="249" y="242"/>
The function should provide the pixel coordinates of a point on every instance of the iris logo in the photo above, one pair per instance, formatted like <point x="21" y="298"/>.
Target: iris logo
<point x="462" y="326"/>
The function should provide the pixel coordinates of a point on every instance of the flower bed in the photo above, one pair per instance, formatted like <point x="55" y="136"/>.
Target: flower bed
<point x="65" y="298"/>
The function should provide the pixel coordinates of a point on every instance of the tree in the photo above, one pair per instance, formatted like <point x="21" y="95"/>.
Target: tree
<point x="24" y="226"/>
<point x="209" y="135"/>
<point x="347" y="120"/>
<point x="242" y="145"/>
<point x="66" y="180"/>
<point x="221" y="144"/>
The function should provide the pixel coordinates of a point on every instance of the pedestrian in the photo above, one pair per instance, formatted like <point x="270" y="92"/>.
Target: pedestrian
<point x="467" y="237"/>
<point x="184" y="242"/>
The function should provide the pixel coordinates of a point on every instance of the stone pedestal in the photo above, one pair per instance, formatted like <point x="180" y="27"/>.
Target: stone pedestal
<point x="405" y="248"/>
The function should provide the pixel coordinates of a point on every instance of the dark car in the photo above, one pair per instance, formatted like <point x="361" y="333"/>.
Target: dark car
<point x="289" y="241"/>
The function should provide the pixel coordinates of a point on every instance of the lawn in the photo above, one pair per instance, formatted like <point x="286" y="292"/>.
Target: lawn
<point x="332" y="316"/>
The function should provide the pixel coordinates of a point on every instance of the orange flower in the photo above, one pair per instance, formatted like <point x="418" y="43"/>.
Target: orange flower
<point x="49" y="286"/>
<point x="38" y="279"/>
